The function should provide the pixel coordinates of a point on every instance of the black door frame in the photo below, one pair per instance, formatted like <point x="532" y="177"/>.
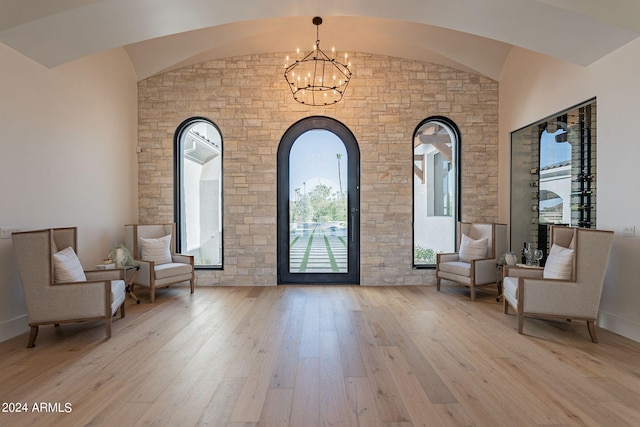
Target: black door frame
<point x="353" y="203"/>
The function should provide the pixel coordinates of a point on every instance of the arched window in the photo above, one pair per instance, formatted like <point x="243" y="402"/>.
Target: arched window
<point x="436" y="180"/>
<point x="198" y="191"/>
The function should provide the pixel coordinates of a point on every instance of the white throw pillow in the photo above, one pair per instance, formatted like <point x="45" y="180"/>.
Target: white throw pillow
<point x="559" y="263"/>
<point x="67" y="267"/>
<point x="472" y="249"/>
<point x="157" y="250"/>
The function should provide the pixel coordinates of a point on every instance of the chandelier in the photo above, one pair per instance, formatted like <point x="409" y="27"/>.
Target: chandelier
<point x="317" y="79"/>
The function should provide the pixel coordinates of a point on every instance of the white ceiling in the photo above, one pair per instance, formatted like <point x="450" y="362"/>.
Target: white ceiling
<point x="472" y="35"/>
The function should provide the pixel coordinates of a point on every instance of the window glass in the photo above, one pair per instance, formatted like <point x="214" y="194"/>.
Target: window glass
<point x="435" y="187"/>
<point x="199" y="192"/>
<point x="318" y="194"/>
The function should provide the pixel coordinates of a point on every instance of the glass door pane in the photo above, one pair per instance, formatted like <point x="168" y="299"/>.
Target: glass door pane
<point x="318" y="204"/>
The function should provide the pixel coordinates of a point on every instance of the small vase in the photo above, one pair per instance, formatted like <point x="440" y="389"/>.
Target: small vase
<point x="510" y="258"/>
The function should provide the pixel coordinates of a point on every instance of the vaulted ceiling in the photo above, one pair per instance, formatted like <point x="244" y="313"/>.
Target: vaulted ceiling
<point x="472" y="35"/>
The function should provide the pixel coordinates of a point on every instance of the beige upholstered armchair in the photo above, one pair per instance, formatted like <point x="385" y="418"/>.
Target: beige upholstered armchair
<point x="570" y="285"/>
<point x="153" y="248"/>
<point x="56" y="288"/>
<point x="479" y="246"/>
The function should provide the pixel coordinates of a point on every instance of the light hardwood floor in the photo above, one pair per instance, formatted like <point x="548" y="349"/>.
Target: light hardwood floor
<point x="322" y="356"/>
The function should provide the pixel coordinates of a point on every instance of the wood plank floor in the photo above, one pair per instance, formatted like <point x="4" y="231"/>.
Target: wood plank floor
<point x="321" y="356"/>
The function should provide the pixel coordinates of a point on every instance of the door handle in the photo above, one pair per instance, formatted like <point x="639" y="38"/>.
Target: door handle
<point x="353" y="222"/>
<point x="353" y="218"/>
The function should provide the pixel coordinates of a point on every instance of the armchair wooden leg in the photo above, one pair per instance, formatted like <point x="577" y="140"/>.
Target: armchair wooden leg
<point x="520" y="322"/>
<point x="107" y="327"/>
<point x="192" y="285"/>
<point x="122" y="310"/>
<point x="32" y="336"/>
<point x="506" y="306"/>
<point x="473" y="293"/>
<point x="152" y="293"/>
<point x="520" y="308"/>
<point x="437" y="283"/>
<point x="592" y="330"/>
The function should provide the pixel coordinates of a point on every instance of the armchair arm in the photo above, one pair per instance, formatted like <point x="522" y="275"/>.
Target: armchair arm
<point x="183" y="259"/>
<point x="530" y="272"/>
<point x="485" y="270"/>
<point x="447" y="257"/>
<point x="555" y="297"/>
<point x="73" y="300"/>
<point x="144" y="273"/>
<point x="114" y="274"/>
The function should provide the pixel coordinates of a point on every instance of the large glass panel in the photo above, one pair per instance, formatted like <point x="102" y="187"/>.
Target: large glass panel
<point x="200" y="193"/>
<point x="553" y="175"/>
<point x="434" y="191"/>
<point x="318" y="204"/>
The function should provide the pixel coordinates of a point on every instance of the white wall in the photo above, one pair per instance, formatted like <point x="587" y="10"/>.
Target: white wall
<point x="533" y="87"/>
<point x="67" y="158"/>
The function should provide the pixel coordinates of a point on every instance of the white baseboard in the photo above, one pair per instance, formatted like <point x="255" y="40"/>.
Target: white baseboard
<point x="13" y="327"/>
<point x="619" y="325"/>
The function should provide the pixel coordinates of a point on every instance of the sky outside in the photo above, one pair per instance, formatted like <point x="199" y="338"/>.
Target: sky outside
<point x="313" y="161"/>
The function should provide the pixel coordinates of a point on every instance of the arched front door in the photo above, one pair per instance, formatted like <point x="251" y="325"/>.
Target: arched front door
<point x="318" y="204"/>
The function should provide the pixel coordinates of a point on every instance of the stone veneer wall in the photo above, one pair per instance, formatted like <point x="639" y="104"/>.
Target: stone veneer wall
<point x="248" y="99"/>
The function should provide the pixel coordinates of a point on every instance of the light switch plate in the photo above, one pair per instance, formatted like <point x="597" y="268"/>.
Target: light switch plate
<point x="629" y="231"/>
<point x="5" y="232"/>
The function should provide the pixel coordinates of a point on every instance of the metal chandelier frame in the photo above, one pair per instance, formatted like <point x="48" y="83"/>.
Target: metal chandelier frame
<point x="317" y="79"/>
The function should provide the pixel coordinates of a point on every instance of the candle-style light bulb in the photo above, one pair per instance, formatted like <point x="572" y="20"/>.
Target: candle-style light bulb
<point x="298" y="52"/>
<point x="333" y="53"/>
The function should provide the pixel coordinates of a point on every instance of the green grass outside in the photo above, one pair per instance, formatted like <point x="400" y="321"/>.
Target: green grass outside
<point x="332" y="259"/>
<point x="305" y="259"/>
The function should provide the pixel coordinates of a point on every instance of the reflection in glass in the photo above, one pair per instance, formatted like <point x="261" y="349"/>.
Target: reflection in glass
<point x="554" y="204"/>
<point x="434" y="187"/>
<point x="201" y="194"/>
<point x="318" y="204"/>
